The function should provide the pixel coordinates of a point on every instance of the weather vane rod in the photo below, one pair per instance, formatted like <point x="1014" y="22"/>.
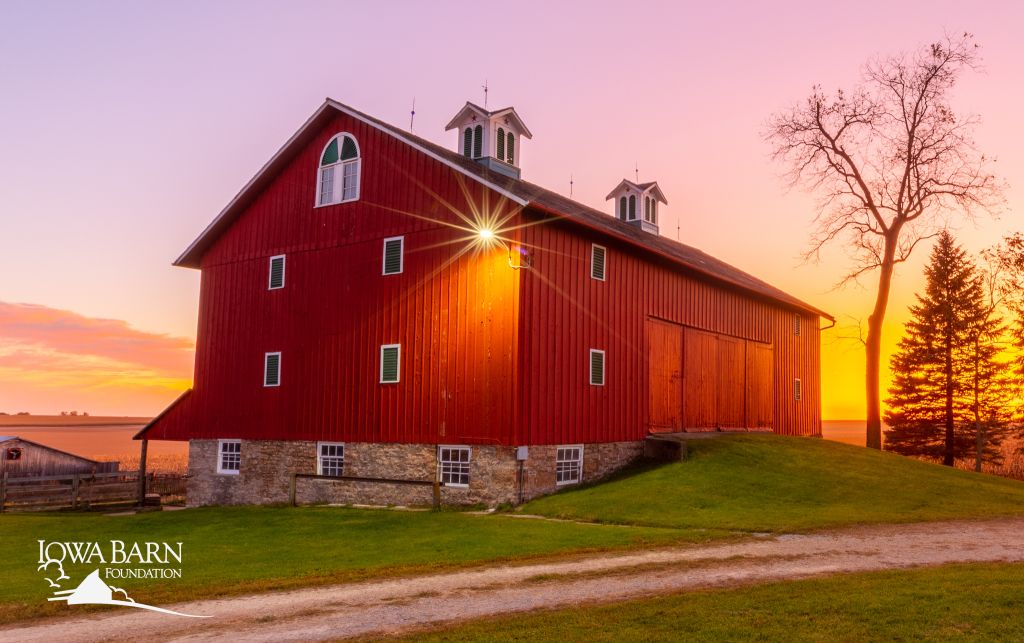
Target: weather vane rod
<point x="485" y="93"/>
<point x="412" y="114"/>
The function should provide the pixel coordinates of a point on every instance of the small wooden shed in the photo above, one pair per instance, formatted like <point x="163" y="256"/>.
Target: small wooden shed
<point x="20" y="458"/>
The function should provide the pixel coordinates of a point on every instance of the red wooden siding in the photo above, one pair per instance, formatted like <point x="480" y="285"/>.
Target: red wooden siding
<point x="613" y="315"/>
<point x="456" y="321"/>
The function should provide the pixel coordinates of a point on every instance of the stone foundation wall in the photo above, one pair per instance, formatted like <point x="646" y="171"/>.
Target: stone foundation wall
<point x="266" y="468"/>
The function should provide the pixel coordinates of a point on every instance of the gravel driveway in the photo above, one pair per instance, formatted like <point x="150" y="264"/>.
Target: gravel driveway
<point x="387" y="606"/>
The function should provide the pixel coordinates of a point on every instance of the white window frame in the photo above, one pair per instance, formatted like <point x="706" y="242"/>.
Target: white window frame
<point x="463" y="468"/>
<point x="265" y="356"/>
<point x="604" y="271"/>
<point x="320" y="457"/>
<point x="590" y="368"/>
<point x="338" y="176"/>
<point x="398" y="366"/>
<point x="220" y="457"/>
<point x="401" y="256"/>
<point x="270" y="272"/>
<point x="798" y="390"/>
<point x="578" y="461"/>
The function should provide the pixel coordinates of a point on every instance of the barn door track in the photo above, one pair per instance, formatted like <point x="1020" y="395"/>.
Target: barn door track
<point x="394" y="605"/>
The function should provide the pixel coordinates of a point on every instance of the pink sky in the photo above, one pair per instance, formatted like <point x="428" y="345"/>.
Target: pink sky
<point x="127" y="126"/>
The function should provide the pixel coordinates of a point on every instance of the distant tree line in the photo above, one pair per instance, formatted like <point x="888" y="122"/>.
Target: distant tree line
<point x="958" y="372"/>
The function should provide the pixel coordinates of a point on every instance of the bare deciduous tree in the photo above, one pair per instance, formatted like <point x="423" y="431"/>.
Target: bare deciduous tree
<point x="891" y="162"/>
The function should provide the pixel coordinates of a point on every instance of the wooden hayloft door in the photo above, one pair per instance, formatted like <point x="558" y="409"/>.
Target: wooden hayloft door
<point x="665" y="381"/>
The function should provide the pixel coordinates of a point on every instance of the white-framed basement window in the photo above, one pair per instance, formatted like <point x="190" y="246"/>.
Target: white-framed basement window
<point x="569" y="464"/>
<point x="275" y="278"/>
<point x="598" y="256"/>
<point x="330" y="458"/>
<point x="272" y="369"/>
<point x="596" y="367"/>
<point x="390" y="363"/>
<point x="453" y="461"/>
<point x="338" y="174"/>
<point x="229" y="456"/>
<point x="393" y="262"/>
<point x="797" y="390"/>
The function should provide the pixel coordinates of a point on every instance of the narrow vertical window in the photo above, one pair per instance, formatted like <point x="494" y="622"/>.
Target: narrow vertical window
<point x="647" y="208"/>
<point x="390" y="363"/>
<point x="654" y="211"/>
<point x="797" y="324"/>
<point x="393" y="255"/>
<point x="596" y="367"/>
<point x="598" y="254"/>
<point x="467" y="142"/>
<point x="568" y="464"/>
<point x="478" y="141"/>
<point x="510" y="148"/>
<point x="272" y="369"/>
<point x="276" y="273"/>
<point x="622" y="208"/>
<point x="632" y="207"/>
<point x="501" y="143"/>
<point x="229" y="456"/>
<point x="797" y="390"/>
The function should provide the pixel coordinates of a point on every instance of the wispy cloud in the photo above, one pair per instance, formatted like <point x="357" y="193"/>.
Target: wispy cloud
<point x="77" y="362"/>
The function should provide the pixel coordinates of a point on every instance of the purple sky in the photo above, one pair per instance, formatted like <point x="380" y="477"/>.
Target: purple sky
<point x="126" y="127"/>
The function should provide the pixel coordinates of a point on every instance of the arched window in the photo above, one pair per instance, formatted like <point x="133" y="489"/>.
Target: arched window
<point x="478" y="141"/>
<point x="632" y="207"/>
<point x="501" y="144"/>
<point x="467" y="142"/>
<point x="654" y="212"/>
<point x="338" y="179"/>
<point x="510" y="149"/>
<point x="647" y="208"/>
<point x="622" y="208"/>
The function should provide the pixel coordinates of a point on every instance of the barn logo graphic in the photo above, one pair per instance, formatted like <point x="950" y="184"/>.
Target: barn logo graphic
<point x="93" y="590"/>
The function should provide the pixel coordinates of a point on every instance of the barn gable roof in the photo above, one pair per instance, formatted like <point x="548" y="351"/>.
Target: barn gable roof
<point x="516" y="190"/>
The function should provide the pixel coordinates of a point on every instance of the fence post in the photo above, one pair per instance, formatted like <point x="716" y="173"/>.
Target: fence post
<point x="291" y="490"/>
<point x="142" y="471"/>
<point x="3" y="491"/>
<point x="437" y="494"/>
<point x="74" y="491"/>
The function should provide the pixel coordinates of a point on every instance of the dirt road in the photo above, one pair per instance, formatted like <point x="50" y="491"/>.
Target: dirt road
<point x="392" y="605"/>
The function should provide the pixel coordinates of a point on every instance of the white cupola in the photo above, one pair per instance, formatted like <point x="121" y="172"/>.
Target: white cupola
<point x="492" y="138"/>
<point x="637" y="204"/>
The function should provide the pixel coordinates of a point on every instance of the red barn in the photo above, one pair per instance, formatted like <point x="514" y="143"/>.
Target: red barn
<point x="376" y="306"/>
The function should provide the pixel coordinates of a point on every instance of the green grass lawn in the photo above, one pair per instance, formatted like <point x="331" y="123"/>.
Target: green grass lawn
<point x="960" y="602"/>
<point x="774" y="483"/>
<point x="231" y="550"/>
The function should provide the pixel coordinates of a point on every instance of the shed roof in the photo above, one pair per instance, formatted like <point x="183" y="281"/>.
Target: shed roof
<point x="5" y="438"/>
<point x="517" y="190"/>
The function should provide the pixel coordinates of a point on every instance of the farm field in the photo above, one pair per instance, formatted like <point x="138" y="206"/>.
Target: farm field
<point x="958" y="602"/>
<point x="730" y="486"/>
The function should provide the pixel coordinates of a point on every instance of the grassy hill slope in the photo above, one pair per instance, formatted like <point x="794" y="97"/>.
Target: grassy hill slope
<point x="774" y="483"/>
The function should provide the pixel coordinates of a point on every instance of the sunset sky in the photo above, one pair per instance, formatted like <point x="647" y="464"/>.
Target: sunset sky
<point x="126" y="127"/>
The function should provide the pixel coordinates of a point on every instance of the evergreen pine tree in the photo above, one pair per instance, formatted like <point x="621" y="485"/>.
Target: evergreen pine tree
<point x="952" y="387"/>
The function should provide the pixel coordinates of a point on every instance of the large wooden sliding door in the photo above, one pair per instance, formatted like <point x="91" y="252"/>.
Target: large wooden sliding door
<point x="700" y="380"/>
<point x="760" y="385"/>
<point x="731" y="382"/>
<point x="665" y="382"/>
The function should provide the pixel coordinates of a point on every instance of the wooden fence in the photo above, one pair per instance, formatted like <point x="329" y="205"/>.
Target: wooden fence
<point x="84" y="490"/>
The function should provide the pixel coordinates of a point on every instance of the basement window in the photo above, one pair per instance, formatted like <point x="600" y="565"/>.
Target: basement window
<point x="454" y="465"/>
<point x="797" y="389"/>
<point x="276" y="277"/>
<point x="596" y="367"/>
<point x="393" y="255"/>
<point x="568" y="464"/>
<point x="272" y="369"/>
<point x="229" y="456"/>
<point x="390" y="363"/>
<point x="330" y="459"/>
<point x="598" y="255"/>
<point x="797" y="324"/>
